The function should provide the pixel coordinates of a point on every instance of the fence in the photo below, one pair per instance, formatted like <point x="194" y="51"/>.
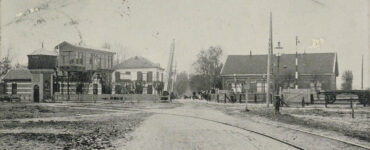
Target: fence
<point x="238" y="97"/>
<point x="104" y="97"/>
<point x="295" y="96"/>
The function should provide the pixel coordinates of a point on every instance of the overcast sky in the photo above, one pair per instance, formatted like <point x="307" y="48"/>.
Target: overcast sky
<point x="238" y="26"/>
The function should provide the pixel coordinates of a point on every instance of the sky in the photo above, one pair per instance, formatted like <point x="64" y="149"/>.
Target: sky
<point x="147" y="27"/>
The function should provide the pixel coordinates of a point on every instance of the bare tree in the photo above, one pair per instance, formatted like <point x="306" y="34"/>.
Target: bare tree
<point x="182" y="83"/>
<point x="209" y="66"/>
<point x="5" y="66"/>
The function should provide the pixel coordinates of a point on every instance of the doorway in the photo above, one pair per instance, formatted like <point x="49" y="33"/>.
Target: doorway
<point x="36" y="94"/>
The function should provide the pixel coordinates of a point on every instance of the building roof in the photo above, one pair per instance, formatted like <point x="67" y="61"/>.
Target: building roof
<point x="43" y="51"/>
<point x="308" y="63"/>
<point x="137" y="62"/>
<point x="18" y="74"/>
<point x="80" y="48"/>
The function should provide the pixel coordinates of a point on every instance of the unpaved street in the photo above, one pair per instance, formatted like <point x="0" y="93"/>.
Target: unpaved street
<point x="197" y="126"/>
<point x="168" y="132"/>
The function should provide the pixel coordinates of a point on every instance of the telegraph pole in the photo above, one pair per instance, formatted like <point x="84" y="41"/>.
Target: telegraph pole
<point x="169" y="69"/>
<point x="268" y="98"/>
<point x="362" y="72"/>
<point x="296" y="62"/>
<point x="278" y="68"/>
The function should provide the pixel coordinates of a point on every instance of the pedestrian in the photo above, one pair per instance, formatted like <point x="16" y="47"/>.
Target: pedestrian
<point x="277" y="104"/>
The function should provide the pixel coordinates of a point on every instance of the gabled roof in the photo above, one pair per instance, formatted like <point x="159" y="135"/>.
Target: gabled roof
<point x="43" y="51"/>
<point x="70" y="46"/>
<point x="137" y="62"/>
<point x="308" y="63"/>
<point x="18" y="74"/>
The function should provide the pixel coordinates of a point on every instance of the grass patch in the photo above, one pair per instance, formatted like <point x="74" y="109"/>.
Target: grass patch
<point x="97" y="134"/>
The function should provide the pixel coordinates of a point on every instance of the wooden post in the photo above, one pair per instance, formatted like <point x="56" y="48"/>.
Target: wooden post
<point x="353" y="111"/>
<point x="303" y="103"/>
<point x="225" y="98"/>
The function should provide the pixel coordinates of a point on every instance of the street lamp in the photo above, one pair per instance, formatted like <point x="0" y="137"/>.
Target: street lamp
<point x="278" y="67"/>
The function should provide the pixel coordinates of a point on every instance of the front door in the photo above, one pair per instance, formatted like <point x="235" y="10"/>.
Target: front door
<point x="36" y="94"/>
<point x="95" y="89"/>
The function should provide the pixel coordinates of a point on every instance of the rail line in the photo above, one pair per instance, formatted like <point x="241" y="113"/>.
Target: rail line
<point x="227" y="124"/>
<point x="268" y="136"/>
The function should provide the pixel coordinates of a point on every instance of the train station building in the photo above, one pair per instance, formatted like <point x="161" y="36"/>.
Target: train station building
<point x="316" y="71"/>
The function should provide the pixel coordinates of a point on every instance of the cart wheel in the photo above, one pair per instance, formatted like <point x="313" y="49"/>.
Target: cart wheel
<point x="330" y="99"/>
<point x="364" y="100"/>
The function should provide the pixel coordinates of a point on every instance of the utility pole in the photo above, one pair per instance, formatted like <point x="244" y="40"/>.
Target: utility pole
<point x="278" y="90"/>
<point x="169" y="69"/>
<point x="270" y="51"/>
<point x="174" y="78"/>
<point x="296" y="62"/>
<point x="362" y="72"/>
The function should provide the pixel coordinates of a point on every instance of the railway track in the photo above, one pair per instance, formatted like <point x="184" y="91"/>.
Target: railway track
<point x="354" y="145"/>
<point x="227" y="124"/>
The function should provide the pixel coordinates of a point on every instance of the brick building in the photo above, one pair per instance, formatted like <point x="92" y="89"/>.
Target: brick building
<point x="315" y="71"/>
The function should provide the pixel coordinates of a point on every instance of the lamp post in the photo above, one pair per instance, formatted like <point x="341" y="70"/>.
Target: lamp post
<point x="278" y="68"/>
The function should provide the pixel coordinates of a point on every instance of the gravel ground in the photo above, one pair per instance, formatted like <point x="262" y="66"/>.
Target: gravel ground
<point x="253" y="122"/>
<point x="334" y="121"/>
<point x="73" y="126"/>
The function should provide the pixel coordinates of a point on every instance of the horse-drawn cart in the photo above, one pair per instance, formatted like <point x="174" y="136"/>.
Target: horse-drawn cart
<point x="331" y="96"/>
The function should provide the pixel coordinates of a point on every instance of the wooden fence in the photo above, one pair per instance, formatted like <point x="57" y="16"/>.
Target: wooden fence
<point x="105" y="97"/>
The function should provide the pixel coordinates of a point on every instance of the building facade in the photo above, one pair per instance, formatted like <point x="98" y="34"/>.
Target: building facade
<point x="83" y="70"/>
<point x="317" y="71"/>
<point x="19" y="82"/>
<point x="42" y="65"/>
<point x="138" y="75"/>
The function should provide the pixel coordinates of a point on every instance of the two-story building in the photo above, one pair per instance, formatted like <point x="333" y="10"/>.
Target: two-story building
<point x="84" y="70"/>
<point x="138" y="75"/>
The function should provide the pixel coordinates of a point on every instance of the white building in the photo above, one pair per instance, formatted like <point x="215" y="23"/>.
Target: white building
<point x="137" y="75"/>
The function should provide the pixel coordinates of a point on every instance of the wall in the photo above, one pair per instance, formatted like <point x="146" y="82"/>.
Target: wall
<point x="326" y="82"/>
<point x="133" y="77"/>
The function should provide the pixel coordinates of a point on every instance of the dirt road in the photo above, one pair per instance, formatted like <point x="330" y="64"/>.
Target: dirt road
<point x="168" y="132"/>
<point x="189" y="127"/>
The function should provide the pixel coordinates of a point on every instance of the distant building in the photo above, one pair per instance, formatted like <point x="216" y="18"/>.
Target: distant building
<point x="315" y="70"/>
<point x="42" y="65"/>
<point x="34" y="83"/>
<point x="84" y="70"/>
<point x="19" y="82"/>
<point x="138" y="75"/>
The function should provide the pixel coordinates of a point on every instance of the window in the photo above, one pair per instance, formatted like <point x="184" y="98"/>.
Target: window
<point x="118" y="76"/>
<point x="63" y="59"/>
<point x="100" y="62"/>
<point x="139" y="76"/>
<point x="91" y="59"/>
<point x="80" y="58"/>
<point x="157" y="76"/>
<point x="253" y="87"/>
<point x="149" y="76"/>
<point x="14" y="88"/>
